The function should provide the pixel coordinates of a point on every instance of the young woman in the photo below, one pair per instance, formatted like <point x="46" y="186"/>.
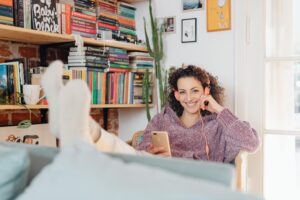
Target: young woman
<point x="215" y="134"/>
<point x="199" y="127"/>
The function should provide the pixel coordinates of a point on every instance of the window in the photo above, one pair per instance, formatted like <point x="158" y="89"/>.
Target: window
<point x="282" y="101"/>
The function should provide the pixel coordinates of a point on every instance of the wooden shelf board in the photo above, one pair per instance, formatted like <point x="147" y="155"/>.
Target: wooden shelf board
<point x="141" y="70"/>
<point x="17" y="34"/>
<point x="21" y="107"/>
<point x="117" y="44"/>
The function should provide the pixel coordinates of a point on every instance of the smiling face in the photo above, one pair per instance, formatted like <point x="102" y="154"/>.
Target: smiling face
<point x="189" y="93"/>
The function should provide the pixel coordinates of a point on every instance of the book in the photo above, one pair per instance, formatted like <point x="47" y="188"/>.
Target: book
<point x="3" y="84"/>
<point x="66" y="18"/>
<point x="44" y="16"/>
<point x="24" y="62"/>
<point x="58" y="13"/>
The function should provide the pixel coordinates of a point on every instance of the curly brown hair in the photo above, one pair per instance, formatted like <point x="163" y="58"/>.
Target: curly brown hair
<point x="206" y="80"/>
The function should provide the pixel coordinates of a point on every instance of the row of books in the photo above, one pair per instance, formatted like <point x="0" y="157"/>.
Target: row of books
<point x="108" y="59"/>
<point x="88" y="18"/>
<point x="90" y="57"/>
<point x="111" y="87"/>
<point x="105" y="87"/>
<point x="107" y="19"/>
<point x="127" y="21"/>
<point x="13" y="74"/>
<point x="140" y="60"/>
<point x="6" y="12"/>
<point x="83" y="20"/>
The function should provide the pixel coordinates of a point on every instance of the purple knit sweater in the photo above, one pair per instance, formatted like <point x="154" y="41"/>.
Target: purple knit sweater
<point x="226" y="135"/>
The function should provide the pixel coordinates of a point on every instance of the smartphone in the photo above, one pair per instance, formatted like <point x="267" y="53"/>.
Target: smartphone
<point x="161" y="139"/>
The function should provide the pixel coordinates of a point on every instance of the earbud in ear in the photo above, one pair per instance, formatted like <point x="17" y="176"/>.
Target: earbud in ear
<point x="207" y="90"/>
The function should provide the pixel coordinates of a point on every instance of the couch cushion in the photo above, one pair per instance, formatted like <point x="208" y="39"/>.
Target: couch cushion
<point x="14" y="168"/>
<point x="81" y="172"/>
<point x="39" y="156"/>
<point x="220" y="173"/>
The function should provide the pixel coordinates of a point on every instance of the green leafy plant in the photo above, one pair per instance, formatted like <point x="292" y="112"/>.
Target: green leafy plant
<point x="27" y="122"/>
<point x="156" y="52"/>
<point x="145" y="93"/>
<point x="5" y="101"/>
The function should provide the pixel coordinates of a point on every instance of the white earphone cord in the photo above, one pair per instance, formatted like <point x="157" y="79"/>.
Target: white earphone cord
<point x="206" y="142"/>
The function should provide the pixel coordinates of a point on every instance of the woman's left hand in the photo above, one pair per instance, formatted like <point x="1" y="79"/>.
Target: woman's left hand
<point x="212" y="105"/>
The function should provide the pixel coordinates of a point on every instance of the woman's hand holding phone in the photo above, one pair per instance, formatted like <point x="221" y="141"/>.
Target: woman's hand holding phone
<point x="160" y="144"/>
<point x="161" y="151"/>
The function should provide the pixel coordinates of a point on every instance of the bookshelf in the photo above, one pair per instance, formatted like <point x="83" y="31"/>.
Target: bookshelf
<point x="46" y="40"/>
<point x="17" y="34"/>
<point x="22" y="35"/>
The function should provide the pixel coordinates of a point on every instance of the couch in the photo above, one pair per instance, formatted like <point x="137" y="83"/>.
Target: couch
<point x="216" y="180"/>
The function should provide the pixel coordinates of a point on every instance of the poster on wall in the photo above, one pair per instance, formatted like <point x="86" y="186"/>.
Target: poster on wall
<point x="38" y="134"/>
<point x="191" y="5"/>
<point x="218" y="15"/>
<point x="44" y="16"/>
<point x="189" y="30"/>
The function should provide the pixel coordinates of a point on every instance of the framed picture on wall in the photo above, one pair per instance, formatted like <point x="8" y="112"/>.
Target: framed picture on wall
<point x="218" y="15"/>
<point x="168" y="24"/>
<point x="189" y="30"/>
<point x="191" y="5"/>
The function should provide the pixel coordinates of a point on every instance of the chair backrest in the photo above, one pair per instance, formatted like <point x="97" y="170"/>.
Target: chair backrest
<point x="137" y="138"/>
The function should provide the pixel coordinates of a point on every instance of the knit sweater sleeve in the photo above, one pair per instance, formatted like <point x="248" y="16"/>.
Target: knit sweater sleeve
<point x="238" y="135"/>
<point x="153" y="125"/>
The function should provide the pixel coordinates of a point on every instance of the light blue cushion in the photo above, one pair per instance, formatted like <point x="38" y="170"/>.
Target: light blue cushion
<point x="39" y="156"/>
<point x="14" y="168"/>
<point x="80" y="172"/>
<point x="223" y="174"/>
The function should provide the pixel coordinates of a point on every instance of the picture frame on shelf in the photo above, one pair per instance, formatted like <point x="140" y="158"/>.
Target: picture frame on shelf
<point x="168" y="24"/>
<point x="38" y="134"/>
<point x="192" y="5"/>
<point x="189" y="30"/>
<point x="218" y="15"/>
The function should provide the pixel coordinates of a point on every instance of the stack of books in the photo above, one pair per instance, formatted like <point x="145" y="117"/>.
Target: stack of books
<point x="139" y="60"/>
<point x="118" y="58"/>
<point x="138" y="88"/>
<point x="127" y="22"/>
<point x="90" y="57"/>
<point x="107" y="17"/>
<point x="84" y="18"/>
<point x="11" y="81"/>
<point x="6" y="12"/>
<point x="64" y="15"/>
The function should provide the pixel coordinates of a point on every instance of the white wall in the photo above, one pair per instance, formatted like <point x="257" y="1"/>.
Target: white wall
<point x="214" y="51"/>
<point x="234" y="56"/>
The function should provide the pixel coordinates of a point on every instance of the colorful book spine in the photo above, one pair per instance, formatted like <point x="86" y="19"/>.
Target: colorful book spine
<point x="84" y="16"/>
